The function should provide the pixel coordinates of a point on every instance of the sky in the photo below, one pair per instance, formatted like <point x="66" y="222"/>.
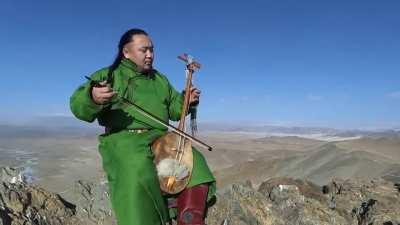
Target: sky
<point x="292" y="63"/>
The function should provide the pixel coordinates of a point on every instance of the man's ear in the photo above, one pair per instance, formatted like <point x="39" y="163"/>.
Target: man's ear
<point x="125" y="52"/>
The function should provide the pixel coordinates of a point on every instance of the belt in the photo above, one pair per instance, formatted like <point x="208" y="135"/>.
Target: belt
<point x="135" y="131"/>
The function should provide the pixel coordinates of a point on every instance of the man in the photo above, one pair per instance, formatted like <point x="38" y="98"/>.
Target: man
<point x="125" y="146"/>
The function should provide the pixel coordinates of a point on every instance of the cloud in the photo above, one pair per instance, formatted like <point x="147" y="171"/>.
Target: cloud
<point x="312" y="97"/>
<point x="395" y="94"/>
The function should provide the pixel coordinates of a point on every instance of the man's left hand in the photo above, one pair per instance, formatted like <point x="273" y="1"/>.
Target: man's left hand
<point x="194" y="96"/>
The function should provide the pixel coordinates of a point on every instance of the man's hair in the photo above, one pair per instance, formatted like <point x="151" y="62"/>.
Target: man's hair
<point x="125" y="39"/>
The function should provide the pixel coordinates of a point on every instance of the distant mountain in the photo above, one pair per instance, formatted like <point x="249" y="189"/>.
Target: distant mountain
<point x="42" y="125"/>
<point x="59" y="121"/>
<point x="13" y="131"/>
<point x="319" y="165"/>
<point x="49" y="126"/>
<point x="390" y="133"/>
<point x="265" y="128"/>
<point x="384" y="146"/>
<point x="322" y="133"/>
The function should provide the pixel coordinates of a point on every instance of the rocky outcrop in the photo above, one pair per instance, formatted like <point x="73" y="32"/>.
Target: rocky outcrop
<point x="93" y="202"/>
<point x="278" y="201"/>
<point x="287" y="201"/>
<point x="25" y="204"/>
<point x="21" y="204"/>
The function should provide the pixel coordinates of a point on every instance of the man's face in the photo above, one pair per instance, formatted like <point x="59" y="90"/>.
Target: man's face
<point x="140" y="51"/>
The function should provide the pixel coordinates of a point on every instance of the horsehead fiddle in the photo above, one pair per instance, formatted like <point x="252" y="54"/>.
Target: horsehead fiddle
<point x="173" y="153"/>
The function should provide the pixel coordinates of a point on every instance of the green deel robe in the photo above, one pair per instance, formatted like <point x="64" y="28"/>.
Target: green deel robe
<point x="127" y="159"/>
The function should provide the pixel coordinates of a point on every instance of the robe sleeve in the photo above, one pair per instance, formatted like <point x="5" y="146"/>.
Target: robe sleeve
<point x="81" y="102"/>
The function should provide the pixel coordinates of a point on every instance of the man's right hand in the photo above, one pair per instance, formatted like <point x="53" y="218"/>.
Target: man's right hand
<point x="102" y="93"/>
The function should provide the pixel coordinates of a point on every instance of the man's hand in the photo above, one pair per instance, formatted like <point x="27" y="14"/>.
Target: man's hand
<point x="194" y="96"/>
<point x="102" y="93"/>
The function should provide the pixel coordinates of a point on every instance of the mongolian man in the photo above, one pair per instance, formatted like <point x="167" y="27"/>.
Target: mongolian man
<point x="127" y="158"/>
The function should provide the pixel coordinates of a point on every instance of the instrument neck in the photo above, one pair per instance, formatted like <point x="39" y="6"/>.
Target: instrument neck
<point x="185" y="107"/>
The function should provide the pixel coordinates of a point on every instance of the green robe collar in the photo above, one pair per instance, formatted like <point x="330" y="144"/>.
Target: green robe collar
<point x="129" y="64"/>
<point x="133" y="67"/>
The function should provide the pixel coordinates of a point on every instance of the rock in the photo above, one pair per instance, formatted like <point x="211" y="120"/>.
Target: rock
<point x="241" y="205"/>
<point x="364" y="212"/>
<point x="93" y="202"/>
<point x="366" y="202"/>
<point x="9" y="174"/>
<point x="397" y="186"/>
<point x="289" y="201"/>
<point x="304" y="188"/>
<point x="299" y="202"/>
<point x="16" y="175"/>
<point x="21" y="204"/>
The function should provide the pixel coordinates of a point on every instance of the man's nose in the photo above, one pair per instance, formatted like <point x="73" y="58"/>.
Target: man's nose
<point x="149" y="54"/>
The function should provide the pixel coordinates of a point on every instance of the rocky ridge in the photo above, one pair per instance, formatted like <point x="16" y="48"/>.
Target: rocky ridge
<point x="277" y="201"/>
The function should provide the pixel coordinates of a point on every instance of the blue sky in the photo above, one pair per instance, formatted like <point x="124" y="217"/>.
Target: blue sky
<point x="309" y="63"/>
